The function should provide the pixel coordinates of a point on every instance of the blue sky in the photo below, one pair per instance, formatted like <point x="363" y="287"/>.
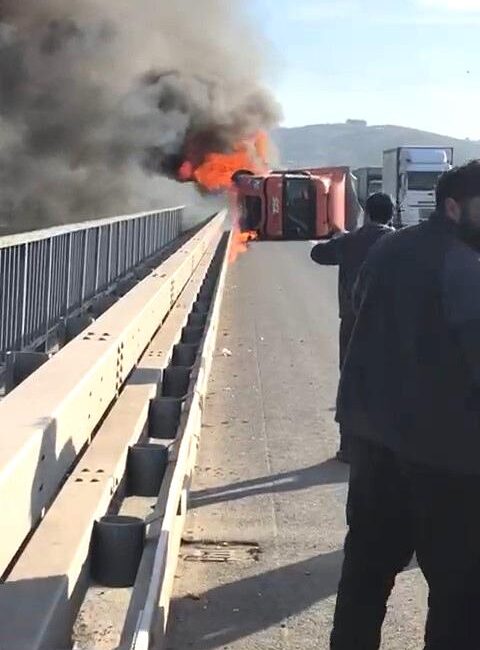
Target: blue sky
<point x="408" y="62"/>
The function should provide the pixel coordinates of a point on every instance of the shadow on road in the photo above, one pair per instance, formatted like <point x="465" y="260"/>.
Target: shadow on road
<point x="234" y="611"/>
<point x="239" y="609"/>
<point x="328" y="472"/>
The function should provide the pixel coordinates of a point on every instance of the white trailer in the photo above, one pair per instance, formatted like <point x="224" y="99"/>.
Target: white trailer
<point x="410" y="175"/>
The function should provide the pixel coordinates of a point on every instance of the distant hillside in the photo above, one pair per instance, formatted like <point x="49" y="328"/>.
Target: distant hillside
<point x="357" y="145"/>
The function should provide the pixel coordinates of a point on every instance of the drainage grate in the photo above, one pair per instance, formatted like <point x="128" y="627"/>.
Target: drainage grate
<point x="220" y="552"/>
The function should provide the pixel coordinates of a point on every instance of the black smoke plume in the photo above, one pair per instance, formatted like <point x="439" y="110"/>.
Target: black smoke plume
<point x="99" y="101"/>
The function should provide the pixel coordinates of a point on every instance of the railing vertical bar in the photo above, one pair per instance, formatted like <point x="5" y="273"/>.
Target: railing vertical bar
<point x="48" y="297"/>
<point x="26" y="257"/>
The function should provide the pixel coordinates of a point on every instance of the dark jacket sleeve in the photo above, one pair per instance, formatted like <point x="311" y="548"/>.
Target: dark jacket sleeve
<point x="327" y="253"/>
<point x="461" y="295"/>
<point x="364" y="278"/>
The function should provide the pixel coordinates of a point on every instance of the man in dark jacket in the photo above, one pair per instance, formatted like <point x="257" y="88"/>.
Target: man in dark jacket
<point x="349" y="251"/>
<point x="410" y="395"/>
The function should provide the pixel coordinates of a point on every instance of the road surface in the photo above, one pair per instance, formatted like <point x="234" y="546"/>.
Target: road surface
<point x="267" y="495"/>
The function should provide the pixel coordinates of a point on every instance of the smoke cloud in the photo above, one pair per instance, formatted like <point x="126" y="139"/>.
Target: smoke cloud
<point x="99" y="101"/>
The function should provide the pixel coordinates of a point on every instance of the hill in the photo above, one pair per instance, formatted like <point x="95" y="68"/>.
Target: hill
<point x="357" y="145"/>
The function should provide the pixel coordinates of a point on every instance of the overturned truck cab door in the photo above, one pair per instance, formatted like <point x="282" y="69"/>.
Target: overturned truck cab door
<point x="250" y="201"/>
<point x="300" y="211"/>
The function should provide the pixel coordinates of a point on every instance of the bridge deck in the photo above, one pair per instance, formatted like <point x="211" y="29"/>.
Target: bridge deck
<point x="266" y="473"/>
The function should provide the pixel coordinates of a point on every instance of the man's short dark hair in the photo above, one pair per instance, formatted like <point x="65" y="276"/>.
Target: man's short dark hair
<point x="460" y="183"/>
<point x="379" y="208"/>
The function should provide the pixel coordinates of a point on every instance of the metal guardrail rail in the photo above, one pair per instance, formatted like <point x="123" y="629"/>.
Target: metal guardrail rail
<point x="49" y="275"/>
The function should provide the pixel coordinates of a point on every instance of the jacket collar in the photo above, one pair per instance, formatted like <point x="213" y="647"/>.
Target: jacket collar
<point x="374" y="225"/>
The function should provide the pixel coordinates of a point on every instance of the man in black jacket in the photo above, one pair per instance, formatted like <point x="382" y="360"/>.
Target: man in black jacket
<point x="410" y="395"/>
<point x="349" y="251"/>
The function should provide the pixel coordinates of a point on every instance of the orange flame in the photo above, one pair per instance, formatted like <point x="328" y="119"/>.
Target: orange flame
<point x="240" y="240"/>
<point x="215" y="172"/>
<point x="239" y="243"/>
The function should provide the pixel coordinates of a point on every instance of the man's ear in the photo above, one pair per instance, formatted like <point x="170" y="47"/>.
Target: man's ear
<point x="452" y="209"/>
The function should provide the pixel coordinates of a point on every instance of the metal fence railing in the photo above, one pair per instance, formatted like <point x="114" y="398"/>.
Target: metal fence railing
<point x="51" y="274"/>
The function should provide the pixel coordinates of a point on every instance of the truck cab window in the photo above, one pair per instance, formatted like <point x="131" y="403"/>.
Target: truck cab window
<point x="252" y="212"/>
<point x="423" y="181"/>
<point x="299" y="216"/>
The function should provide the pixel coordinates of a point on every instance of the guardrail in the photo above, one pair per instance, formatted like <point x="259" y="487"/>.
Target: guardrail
<point x="152" y="349"/>
<point x="49" y="275"/>
<point x="48" y="420"/>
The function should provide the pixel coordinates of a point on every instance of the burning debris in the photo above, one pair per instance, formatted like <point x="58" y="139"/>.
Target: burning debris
<point x="240" y="241"/>
<point x="102" y="102"/>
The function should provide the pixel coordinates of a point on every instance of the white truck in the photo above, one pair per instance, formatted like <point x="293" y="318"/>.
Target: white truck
<point x="369" y="181"/>
<point x="410" y="175"/>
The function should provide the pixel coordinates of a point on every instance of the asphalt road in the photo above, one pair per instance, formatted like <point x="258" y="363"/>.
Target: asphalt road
<point x="266" y="475"/>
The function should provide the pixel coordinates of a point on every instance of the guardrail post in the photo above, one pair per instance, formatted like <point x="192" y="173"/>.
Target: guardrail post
<point x="97" y="257"/>
<point x="84" y="270"/>
<point x="48" y="292"/>
<point x="68" y="271"/>
<point x="23" y="327"/>
<point x="137" y="233"/>
<point x="109" y="254"/>
<point x="155" y="232"/>
<point x="163" y="231"/>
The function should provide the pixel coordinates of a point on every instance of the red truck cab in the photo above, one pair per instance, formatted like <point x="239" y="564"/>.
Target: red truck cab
<point x="298" y="204"/>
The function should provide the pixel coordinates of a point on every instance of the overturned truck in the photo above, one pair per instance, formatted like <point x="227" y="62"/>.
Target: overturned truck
<point x="298" y="204"/>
